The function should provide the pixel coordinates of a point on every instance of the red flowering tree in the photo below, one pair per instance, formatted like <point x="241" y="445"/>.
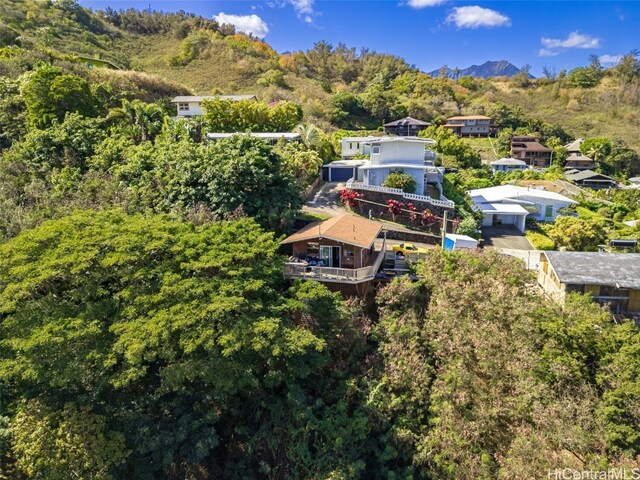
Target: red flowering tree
<point x="412" y="212"/>
<point x="395" y="208"/>
<point x="428" y="218"/>
<point x="349" y="198"/>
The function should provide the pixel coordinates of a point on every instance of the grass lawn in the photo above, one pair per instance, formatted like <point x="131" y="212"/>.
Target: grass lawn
<point x="484" y="147"/>
<point x="313" y="217"/>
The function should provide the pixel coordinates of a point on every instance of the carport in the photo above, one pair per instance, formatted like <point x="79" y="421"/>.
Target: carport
<point x="341" y="170"/>
<point x="495" y="214"/>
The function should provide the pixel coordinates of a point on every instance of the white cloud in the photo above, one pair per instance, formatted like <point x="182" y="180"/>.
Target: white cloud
<point x="303" y="7"/>
<point x="545" y="52"/>
<point x="574" y="40"/>
<point x="244" y="23"/>
<point x="425" y="3"/>
<point x="555" y="46"/>
<point x="610" y="59"/>
<point x="476" y="17"/>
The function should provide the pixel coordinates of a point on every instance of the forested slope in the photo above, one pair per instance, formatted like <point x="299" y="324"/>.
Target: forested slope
<point x="147" y="331"/>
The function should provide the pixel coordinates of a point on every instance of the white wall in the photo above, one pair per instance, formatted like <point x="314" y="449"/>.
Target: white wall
<point x="542" y="204"/>
<point x="398" y="152"/>
<point x="194" y="109"/>
<point x="352" y="146"/>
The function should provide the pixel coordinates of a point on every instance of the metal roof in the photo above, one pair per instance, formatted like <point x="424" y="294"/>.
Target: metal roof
<point x="508" y="161"/>
<point x="198" y="99"/>
<point x="503" y="208"/>
<point x="469" y="117"/>
<point x="587" y="175"/>
<point x="513" y="192"/>
<point x="263" y="135"/>
<point x="621" y="270"/>
<point x="346" y="163"/>
<point x="407" y="121"/>
<point x="401" y="139"/>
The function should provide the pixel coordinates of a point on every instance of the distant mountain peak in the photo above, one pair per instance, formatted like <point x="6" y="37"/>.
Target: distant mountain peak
<point x="500" y="68"/>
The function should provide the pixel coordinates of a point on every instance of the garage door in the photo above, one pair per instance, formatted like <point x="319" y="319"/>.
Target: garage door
<point x="340" y="174"/>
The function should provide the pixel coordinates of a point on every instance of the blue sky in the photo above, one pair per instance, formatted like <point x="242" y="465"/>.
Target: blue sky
<point x="431" y="33"/>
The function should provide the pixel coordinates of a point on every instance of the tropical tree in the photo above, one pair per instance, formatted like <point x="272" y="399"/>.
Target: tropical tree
<point x="144" y="347"/>
<point x="141" y="121"/>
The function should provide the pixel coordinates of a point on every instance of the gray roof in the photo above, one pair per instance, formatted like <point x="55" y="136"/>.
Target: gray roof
<point x="407" y="121"/>
<point x="198" y="99"/>
<point x="587" y="175"/>
<point x="508" y="161"/>
<point x="596" y="268"/>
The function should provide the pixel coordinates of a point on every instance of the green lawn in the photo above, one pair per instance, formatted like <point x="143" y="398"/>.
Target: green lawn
<point x="484" y="146"/>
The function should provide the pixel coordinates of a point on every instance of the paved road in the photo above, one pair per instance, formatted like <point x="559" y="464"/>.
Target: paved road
<point x="505" y="237"/>
<point x="326" y="201"/>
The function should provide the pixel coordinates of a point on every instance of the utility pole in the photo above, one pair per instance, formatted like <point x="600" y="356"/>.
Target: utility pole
<point x="444" y="229"/>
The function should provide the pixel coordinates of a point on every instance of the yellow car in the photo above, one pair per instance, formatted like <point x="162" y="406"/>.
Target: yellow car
<point x="408" y="248"/>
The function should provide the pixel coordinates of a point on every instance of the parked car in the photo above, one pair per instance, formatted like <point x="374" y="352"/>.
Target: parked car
<point x="408" y="248"/>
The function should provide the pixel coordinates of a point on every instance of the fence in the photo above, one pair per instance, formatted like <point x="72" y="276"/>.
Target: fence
<point x="349" y="275"/>
<point x="446" y="203"/>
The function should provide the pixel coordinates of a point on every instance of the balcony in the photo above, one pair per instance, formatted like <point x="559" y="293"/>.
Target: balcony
<point x="300" y="270"/>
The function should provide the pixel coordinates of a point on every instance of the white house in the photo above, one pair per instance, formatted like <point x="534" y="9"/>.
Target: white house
<point x="401" y="155"/>
<point x="352" y="146"/>
<point x="508" y="165"/>
<point x="511" y="204"/>
<point x="191" y="106"/>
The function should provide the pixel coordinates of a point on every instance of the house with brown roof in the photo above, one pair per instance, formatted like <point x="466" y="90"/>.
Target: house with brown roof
<point x="531" y="151"/>
<point x="338" y="251"/>
<point x="576" y="160"/>
<point x="469" y="125"/>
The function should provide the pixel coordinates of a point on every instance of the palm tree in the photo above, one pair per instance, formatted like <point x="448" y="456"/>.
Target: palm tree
<point x="310" y="135"/>
<point x="144" y="120"/>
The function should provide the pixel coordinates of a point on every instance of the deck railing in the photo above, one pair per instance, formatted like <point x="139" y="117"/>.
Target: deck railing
<point x="409" y="196"/>
<point x="332" y="274"/>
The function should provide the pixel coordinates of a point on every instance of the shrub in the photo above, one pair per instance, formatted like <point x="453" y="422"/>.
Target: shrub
<point x="403" y="181"/>
<point x="540" y="241"/>
<point x="468" y="226"/>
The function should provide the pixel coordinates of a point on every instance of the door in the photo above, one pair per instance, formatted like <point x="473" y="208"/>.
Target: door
<point x="330" y="256"/>
<point x="341" y="174"/>
<point x="548" y="211"/>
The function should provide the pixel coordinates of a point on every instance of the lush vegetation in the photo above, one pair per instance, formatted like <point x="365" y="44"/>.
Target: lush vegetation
<point x="146" y="329"/>
<point x="147" y="347"/>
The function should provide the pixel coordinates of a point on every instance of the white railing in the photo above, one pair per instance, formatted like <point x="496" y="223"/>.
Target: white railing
<point x="328" y="274"/>
<point x="409" y="196"/>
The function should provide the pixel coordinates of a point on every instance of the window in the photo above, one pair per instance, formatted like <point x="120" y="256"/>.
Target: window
<point x="375" y="149"/>
<point x="358" y="145"/>
<point x="313" y="249"/>
<point x="548" y="212"/>
<point x="183" y="107"/>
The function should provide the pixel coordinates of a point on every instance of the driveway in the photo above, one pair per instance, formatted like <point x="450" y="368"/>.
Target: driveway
<point x="505" y="237"/>
<point x="326" y="201"/>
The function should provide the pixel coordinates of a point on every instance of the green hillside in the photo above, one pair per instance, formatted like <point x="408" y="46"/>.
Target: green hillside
<point x="337" y="86"/>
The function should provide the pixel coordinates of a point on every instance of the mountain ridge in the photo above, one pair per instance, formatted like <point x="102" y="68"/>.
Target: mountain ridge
<point x="489" y="69"/>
